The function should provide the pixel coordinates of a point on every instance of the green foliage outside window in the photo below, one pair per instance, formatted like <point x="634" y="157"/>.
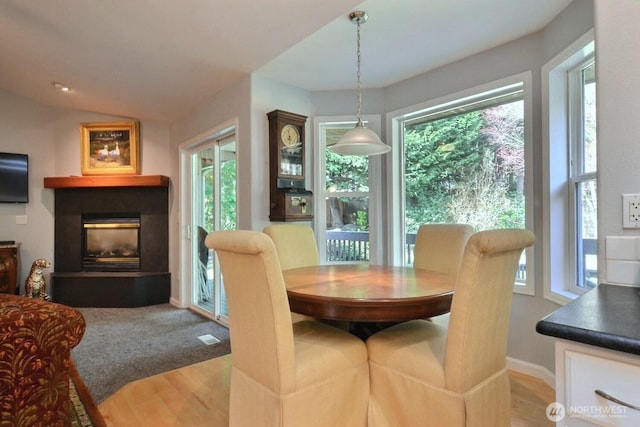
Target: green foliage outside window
<point x="228" y="211"/>
<point x="467" y="168"/>
<point x="347" y="173"/>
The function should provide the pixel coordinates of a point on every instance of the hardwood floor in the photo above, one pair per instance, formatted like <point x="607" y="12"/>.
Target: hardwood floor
<point x="529" y="400"/>
<point x="197" y="395"/>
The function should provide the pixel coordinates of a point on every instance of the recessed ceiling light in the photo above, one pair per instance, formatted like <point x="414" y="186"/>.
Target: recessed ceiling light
<point x="61" y="87"/>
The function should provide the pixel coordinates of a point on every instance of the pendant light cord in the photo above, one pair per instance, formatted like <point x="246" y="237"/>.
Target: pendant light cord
<point x="358" y="75"/>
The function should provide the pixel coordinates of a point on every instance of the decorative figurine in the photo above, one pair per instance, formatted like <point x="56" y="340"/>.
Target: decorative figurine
<point x="35" y="285"/>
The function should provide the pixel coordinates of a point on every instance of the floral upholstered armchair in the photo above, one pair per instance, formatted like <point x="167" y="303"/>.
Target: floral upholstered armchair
<point x="36" y="338"/>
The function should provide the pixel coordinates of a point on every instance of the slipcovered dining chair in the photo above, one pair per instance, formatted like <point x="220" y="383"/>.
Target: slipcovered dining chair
<point x="296" y="247"/>
<point x="433" y="374"/>
<point x="283" y="373"/>
<point x="440" y="247"/>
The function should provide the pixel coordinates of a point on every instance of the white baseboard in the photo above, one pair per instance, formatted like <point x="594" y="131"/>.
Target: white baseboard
<point x="532" y="370"/>
<point x="176" y="303"/>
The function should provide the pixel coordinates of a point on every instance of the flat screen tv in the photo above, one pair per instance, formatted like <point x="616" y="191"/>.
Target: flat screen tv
<point x="14" y="178"/>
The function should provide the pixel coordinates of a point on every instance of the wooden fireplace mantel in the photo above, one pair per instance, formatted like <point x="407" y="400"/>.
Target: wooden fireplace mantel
<point x="107" y="181"/>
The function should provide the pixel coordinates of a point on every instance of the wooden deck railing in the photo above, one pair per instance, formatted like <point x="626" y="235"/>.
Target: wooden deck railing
<point x="349" y="246"/>
<point x="354" y="246"/>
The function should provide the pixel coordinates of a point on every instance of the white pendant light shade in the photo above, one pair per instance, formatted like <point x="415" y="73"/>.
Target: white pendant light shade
<point x="360" y="141"/>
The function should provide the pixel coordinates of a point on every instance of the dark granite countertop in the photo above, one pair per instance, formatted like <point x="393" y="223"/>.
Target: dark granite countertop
<point x="607" y="316"/>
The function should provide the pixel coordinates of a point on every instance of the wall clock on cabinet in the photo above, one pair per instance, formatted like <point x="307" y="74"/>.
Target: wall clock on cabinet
<point x="289" y="200"/>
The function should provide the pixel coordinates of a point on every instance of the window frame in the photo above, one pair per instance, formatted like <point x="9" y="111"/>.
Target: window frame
<point x="576" y="161"/>
<point x="561" y="130"/>
<point x="320" y="193"/>
<point x="395" y="171"/>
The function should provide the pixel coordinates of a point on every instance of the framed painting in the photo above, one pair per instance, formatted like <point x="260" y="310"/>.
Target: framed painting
<point x="110" y="148"/>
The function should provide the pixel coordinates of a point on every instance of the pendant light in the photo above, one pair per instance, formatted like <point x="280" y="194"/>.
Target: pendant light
<point x="359" y="141"/>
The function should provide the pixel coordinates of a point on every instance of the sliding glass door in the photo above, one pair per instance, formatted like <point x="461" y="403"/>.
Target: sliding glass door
<point x="212" y="165"/>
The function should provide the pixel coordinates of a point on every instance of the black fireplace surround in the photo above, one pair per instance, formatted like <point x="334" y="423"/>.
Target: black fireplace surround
<point x="72" y="284"/>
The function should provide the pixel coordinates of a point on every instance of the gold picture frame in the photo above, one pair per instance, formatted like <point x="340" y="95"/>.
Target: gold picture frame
<point x="110" y="148"/>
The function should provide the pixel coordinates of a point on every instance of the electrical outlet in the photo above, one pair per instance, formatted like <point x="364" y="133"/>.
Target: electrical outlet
<point x="631" y="211"/>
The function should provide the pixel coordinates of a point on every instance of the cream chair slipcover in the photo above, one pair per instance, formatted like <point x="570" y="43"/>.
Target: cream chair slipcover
<point x="440" y="247"/>
<point x="426" y="373"/>
<point x="283" y="373"/>
<point x="296" y="247"/>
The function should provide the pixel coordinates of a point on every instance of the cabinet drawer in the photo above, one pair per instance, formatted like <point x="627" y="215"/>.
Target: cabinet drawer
<point x="587" y="373"/>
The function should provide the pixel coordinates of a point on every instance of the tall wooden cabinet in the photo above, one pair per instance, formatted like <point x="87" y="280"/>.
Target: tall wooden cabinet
<point x="289" y="200"/>
<point x="9" y="269"/>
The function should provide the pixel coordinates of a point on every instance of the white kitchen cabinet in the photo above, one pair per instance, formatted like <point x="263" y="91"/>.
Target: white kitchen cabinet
<point x="581" y="371"/>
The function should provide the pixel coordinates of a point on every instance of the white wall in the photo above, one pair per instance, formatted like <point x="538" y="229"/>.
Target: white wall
<point x="51" y="138"/>
<point x="268" y="95"/>
<point x="249" y="101"/>
<point x="618" y="95"/>
<point x="231" y="104"/>
<point x="29" y="128"/>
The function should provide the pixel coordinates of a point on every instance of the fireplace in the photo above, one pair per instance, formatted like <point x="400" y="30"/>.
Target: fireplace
<point x="111" y="243"/>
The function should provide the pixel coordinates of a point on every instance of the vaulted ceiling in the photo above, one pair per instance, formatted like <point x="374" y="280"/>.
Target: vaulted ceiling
<point x="160" y="59"/>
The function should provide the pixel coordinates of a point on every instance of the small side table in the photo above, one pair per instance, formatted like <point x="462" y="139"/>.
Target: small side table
<point x="9" y="265"/>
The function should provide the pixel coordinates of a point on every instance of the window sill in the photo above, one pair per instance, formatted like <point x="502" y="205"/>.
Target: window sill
<point x="561" y="297"/>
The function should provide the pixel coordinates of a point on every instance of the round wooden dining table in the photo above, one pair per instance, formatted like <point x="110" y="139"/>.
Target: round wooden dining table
<point x="368" y="293"/>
